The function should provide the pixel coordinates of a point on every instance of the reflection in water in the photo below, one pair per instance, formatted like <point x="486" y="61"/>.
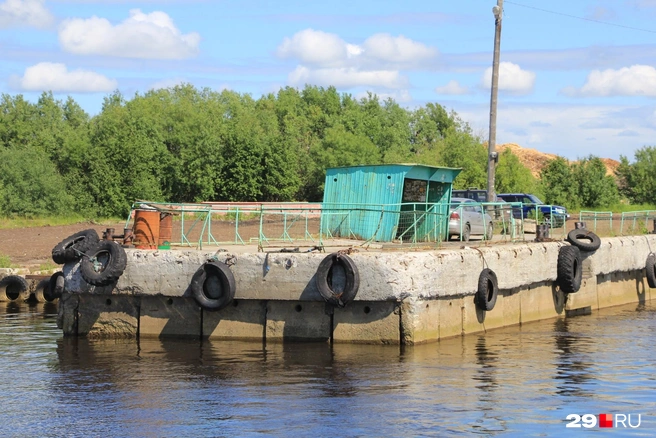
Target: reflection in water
<point x="519" y="380"/>
<point x="573" y="365"/>
<point x="486" y="359"/>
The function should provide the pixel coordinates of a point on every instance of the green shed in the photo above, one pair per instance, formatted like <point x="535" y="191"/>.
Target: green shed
<point x="387" y="202"/>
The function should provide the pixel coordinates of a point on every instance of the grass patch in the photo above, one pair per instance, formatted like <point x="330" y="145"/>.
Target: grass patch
<point x="47" y="266"/>
<point x="618" y="208"/>
<point x="5" y="262"/>
<point x="22" y="222"/>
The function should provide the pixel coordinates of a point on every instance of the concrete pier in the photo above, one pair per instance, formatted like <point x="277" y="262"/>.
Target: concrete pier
<point x="403" y="297"/>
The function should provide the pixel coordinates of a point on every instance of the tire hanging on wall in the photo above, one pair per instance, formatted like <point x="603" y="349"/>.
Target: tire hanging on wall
<point x="14" y="288"/>
<point x="584" y="240"/>
<point x="103" y="264"/>
<point x="650" y="270"/>
<point x="72" y="248"/>
<point x="570" y="271"/>
<point x="488" y="289"/>
<point x="324" y="279"/>
<point x="213" y="286"/>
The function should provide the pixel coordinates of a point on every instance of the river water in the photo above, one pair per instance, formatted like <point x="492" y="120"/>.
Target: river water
<point x="514" y="381"/>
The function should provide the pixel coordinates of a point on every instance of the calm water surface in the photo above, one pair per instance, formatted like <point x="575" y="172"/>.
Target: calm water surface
<point x="515" y="381"/>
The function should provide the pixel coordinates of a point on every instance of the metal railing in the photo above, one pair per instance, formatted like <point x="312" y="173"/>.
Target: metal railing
<point x="595" y="218"/>
<point x="415" y="224"/>
<point x="636" y="222"/>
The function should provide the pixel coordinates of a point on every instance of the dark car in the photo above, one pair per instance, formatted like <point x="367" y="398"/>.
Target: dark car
<point x="478" y="195"/>
<point x="554" y="214"/>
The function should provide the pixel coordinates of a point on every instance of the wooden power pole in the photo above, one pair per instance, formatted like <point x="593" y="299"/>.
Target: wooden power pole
<point x="493" y="156"/>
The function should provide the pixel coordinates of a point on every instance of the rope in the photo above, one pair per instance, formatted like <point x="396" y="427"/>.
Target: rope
<point x="485" y="264"/>
<point x="649" y="246"/>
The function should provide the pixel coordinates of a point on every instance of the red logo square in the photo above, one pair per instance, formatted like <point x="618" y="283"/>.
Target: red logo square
<point x="605" y="420"/>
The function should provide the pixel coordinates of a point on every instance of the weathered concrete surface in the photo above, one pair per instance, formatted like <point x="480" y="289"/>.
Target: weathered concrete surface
<point x="289" y="321"/>
<point x="243" y="319"/>
<point x="367" y="322"/>
<point x="404" y="297"/>
<point x="384" y="276"/>
<point x="161" y="316"/>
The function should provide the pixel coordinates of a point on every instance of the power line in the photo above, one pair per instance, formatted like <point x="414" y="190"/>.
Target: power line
<point x="580" y="18"/>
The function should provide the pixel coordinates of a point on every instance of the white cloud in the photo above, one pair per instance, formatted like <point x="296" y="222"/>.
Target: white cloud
<point x="47" y="76"/>
<point x="326" y="59"/>
<point x="511" y="78"/>
<point x="151" y="36"/>
<point x="452" y="88"/>
<point x="637" y="80"/>
<point x="31" y="13"/>
<point x="605" y="133"/>
<point x="347" y="77"/>
<point x="315" y="47"/>
<point x="385" y="47"/>
<point x="321" y="49"/>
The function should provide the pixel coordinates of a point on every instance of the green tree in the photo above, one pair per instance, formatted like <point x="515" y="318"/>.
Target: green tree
<point x="340" y="148"/>
<point x="511" y="176"/>
<point x="30" y="185"/>
<point x="637" y="180"/>
<point x="461" y="149"/>
<point x="559" y="185"/>
<point x="595" y="188"/>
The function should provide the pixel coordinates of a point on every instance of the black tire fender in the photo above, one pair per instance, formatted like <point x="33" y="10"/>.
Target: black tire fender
<point x="570" y="271"/>
<point x="324" y="279"/>
<point x="72" y="248"/>
<point x="103" y="264"/>
<point x="56" y="285"/>
<point x="14" y="288"/>
<point x="650" y="268"/>
<point x="213" y="285"/>
<point x="584" y="240"/>
<point x="488" y="289"/>
<point x="42" y="292"/>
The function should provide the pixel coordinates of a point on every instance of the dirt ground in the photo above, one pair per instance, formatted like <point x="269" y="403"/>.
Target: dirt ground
<point x="32" y="247"/>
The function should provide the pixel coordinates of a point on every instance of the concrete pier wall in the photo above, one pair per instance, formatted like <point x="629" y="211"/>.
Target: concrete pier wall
<point x="404" y="297"/>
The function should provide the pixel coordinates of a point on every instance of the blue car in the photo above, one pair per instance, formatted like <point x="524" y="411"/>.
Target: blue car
<point x="553" y="214"/>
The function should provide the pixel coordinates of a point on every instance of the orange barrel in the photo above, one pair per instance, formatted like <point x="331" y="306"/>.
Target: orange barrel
<point x="165" y="231"/>
<point x="146" y="229"/>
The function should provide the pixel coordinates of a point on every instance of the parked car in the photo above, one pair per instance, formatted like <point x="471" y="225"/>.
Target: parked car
<point x="531" y="203"/>
<point x="478" y="195"/>
<point x="467" y="218"/>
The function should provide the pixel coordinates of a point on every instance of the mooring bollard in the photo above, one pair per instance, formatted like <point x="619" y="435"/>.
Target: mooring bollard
<point x="541" y="232"/>
<point x="579" y="225"/>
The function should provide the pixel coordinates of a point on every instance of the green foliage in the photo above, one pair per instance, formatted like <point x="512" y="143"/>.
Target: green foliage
<point x="637" y="181"/>
<point x="512" y="176"/>
<point x="595" y="188"/>
<point x="559" y="184"/>
<point x="30" y="185"/>
<point x="184" y="144"/>
<point x="460" y="149"/>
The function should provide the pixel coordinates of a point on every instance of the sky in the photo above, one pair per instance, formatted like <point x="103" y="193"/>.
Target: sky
<point x="576" y="78"/>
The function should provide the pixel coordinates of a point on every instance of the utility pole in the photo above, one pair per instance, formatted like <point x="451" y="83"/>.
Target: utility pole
<point x="493" y="156"/>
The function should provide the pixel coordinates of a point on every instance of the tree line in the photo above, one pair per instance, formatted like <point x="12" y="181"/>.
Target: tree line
<point x="184" y="144"/>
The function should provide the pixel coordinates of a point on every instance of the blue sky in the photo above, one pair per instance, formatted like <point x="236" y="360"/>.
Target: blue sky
<point x="576" y="77"/>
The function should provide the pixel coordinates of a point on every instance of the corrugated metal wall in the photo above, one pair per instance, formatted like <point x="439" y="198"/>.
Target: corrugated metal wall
<point x="360" y="189"/>
<point x="354" y="199"/>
